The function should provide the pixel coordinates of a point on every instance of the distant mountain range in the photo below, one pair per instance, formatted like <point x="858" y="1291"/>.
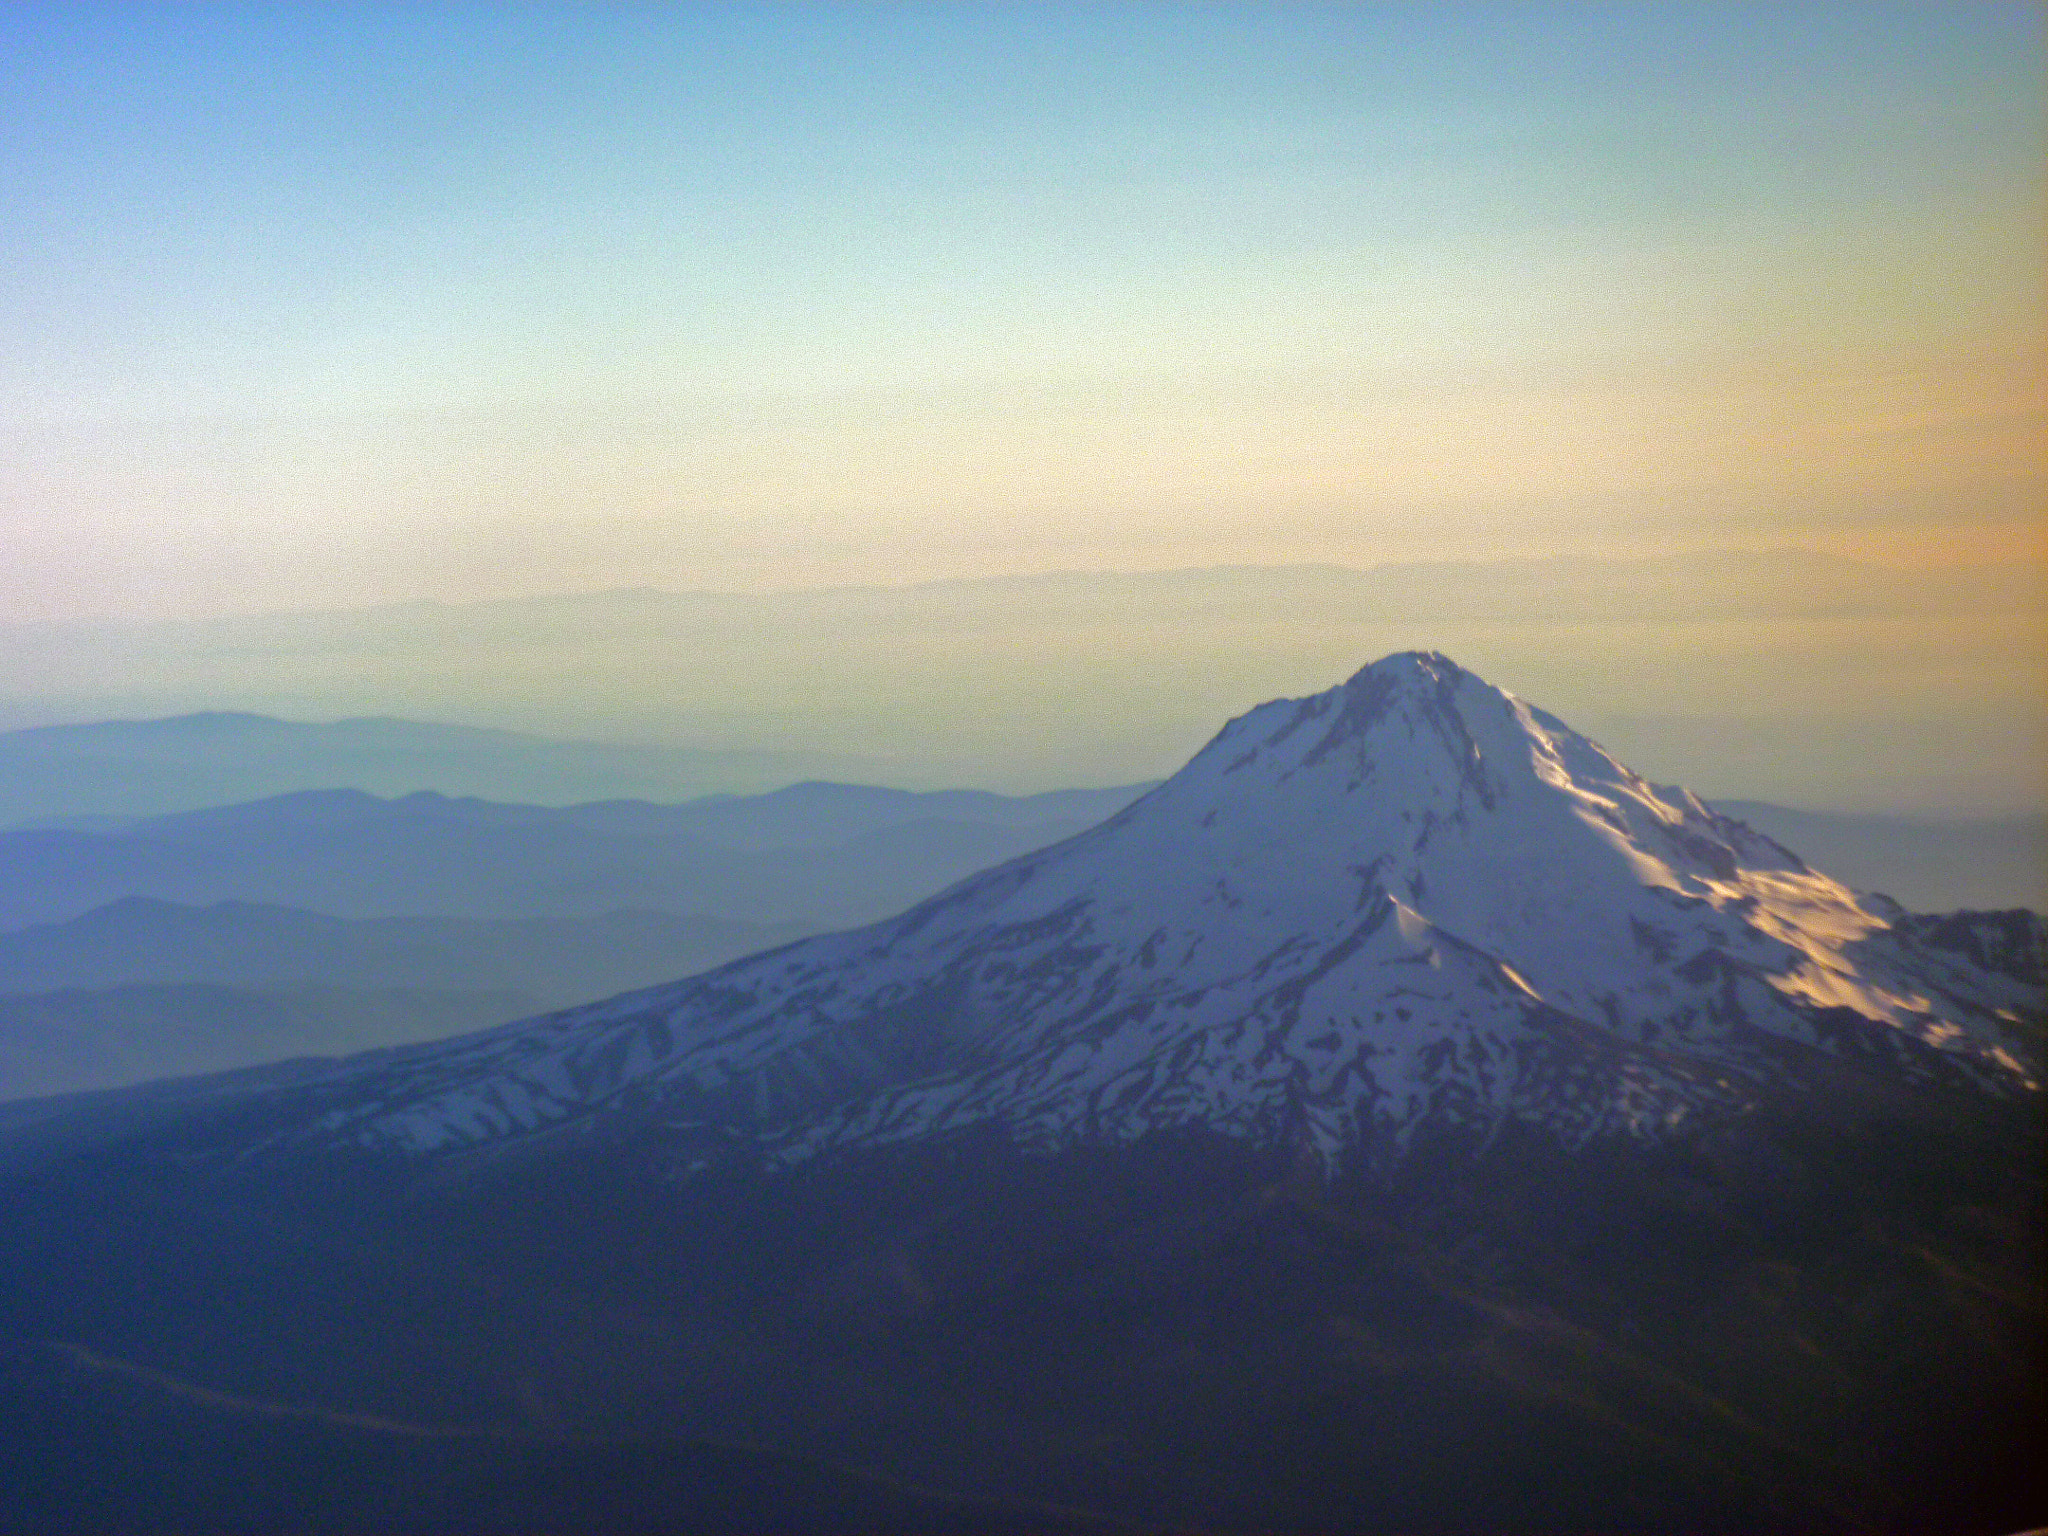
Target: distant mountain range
<point x="130" y="768"/>
<point x="814" y="854"/>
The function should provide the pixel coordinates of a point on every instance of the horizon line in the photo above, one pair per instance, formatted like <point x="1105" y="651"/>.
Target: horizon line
<point x="648" y="590"/>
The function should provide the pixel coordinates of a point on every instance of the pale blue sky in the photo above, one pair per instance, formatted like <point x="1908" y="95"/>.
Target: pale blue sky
<point x="331" y="304"/>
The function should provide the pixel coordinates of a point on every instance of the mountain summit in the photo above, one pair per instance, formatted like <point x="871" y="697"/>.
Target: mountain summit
<point x="1411" y="904"/>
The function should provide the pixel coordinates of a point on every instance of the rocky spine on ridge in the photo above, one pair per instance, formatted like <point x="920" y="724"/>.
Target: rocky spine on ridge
<point x="1410" y="903"/>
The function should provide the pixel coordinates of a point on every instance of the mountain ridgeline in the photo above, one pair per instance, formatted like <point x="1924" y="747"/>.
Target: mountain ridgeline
<point x="1405" y="1116"/>
<point x="816" y="853"/>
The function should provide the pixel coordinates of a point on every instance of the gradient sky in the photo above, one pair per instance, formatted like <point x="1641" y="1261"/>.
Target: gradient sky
<point x="321" y="304"/>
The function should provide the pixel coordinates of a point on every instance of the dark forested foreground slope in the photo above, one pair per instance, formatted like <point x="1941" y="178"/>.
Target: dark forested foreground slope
<point x="1404" y="1119"/>
<point x="1768" y="1327"/>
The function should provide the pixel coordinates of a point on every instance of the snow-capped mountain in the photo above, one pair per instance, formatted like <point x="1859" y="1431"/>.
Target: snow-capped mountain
<point x="1411" y="902"/>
